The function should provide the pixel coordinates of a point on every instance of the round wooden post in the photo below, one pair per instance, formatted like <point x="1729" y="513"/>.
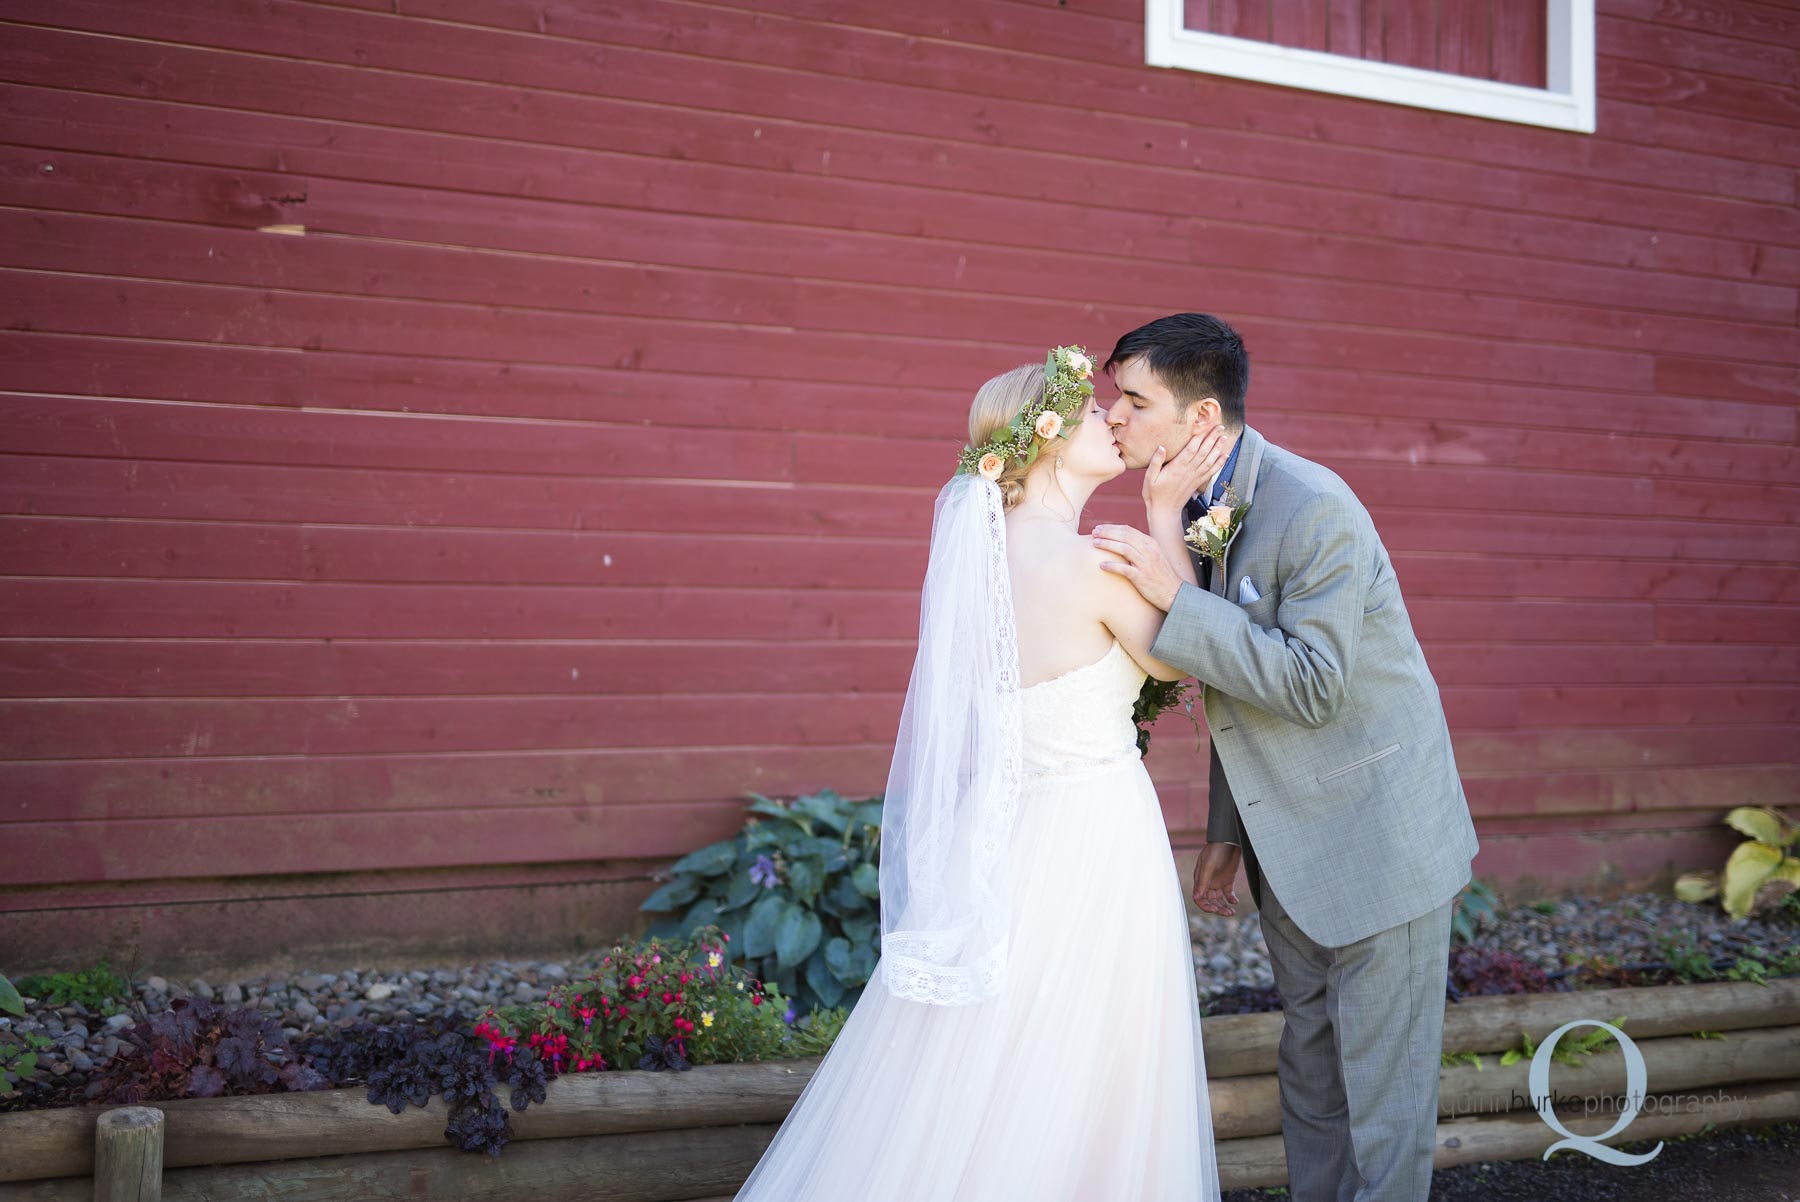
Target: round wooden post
<point x="128" y="1155"/>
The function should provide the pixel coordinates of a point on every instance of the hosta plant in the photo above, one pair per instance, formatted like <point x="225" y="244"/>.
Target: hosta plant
<point x="797" y="890"/>
<point x="1760" y="874"/>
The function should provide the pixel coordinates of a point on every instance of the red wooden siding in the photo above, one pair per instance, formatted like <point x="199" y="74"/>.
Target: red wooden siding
<point x="1502" y="40"/>
<point x="571" y="473"/>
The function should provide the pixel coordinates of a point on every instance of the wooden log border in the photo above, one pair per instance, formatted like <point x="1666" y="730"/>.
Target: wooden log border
<point x="720" y="1114"/>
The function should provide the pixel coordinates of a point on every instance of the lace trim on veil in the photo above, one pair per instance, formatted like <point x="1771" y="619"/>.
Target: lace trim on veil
<point x="939" y="963"/>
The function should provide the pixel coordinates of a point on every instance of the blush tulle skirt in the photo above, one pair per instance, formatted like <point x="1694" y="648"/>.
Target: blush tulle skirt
<point x="1083" y="1080"/>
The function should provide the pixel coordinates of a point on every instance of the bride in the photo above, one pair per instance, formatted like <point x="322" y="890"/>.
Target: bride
<point x="1032" y="1030"/>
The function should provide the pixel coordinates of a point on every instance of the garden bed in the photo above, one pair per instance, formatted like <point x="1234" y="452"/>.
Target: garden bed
<point x="634" y="1135"/>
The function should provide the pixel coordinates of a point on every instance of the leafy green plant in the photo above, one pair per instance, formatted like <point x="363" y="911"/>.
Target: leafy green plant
<point x="1452" y="1059"/>
<point x="1476" y="906"/>
<point x="1544" y="906"/>
<point x="1760" y="874"/>
<point x="660" y="1005"/>
<point x="1525" y="1051"/>
<point x="10" y="1001"/>
<point x="1571" y="1049"/>
<point x="797" y="890"/>
<point x="19" y="1059"/>
<point x="1153" y="698"/>
<point x="99" y="989"/>
<point x="1748" y="968"/>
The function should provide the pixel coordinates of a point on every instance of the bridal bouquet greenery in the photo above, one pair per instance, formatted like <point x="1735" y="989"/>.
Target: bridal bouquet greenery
<point x="1153" y="698"/>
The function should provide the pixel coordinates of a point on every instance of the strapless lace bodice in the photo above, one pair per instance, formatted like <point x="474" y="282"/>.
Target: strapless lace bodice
<point x="1081" y="720"/>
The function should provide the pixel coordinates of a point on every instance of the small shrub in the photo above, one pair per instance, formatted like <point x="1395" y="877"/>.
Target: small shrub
<point x="1480" y="972"/>
<point x="797" y="890"/>
<point x="1761" y="873"/>
<point x="198" y="1049"/>
<point x="404" y="1064"/>
<point x="661" y="1004"/>
<point x="99" y="989"/>
<point x="1477" y="907"/>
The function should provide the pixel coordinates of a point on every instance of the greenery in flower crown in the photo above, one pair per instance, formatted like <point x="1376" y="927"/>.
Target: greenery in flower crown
<point x="1066" y="373"/>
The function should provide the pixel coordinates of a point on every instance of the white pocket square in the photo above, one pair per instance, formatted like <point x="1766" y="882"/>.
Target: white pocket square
<point x="1247" y="592"/>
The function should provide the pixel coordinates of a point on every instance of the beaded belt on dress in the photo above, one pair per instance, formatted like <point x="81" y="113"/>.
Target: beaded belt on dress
<point x="1078" y="769"/>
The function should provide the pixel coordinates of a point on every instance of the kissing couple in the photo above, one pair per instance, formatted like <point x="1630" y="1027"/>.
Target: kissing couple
<point x="1032" y="1029"/>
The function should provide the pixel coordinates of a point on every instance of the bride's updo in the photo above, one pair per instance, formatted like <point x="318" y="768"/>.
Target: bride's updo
<point x="997" y="402"/>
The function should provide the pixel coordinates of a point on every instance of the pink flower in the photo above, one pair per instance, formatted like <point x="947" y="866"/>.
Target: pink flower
<point x="1049" y="423"/>
<point x="1221" y="516"/>
<point x="991" y="466"/>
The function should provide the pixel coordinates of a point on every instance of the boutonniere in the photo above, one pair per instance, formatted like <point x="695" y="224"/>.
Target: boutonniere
<point x="1211" y="533"/>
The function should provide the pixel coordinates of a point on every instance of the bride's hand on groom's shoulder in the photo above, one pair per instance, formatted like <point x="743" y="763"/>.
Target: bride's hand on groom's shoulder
<point x="1169" y="482"/>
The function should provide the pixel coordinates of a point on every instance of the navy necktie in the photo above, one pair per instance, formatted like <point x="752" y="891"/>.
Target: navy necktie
<point x="1191" y="513"/>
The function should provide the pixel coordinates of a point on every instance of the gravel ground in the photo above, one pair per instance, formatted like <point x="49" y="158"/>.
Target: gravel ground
<point x="1229" y="953"/>
<point x="1733" y="1165"/>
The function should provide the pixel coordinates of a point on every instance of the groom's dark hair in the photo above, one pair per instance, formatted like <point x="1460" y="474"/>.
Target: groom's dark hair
<point x="1196" y="355"/>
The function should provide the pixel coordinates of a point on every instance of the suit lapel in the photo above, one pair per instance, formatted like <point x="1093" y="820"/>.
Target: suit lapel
<point x="1243" y="482"/>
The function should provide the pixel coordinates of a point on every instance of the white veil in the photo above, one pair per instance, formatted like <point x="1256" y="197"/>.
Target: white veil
<point x="953" y="790"/>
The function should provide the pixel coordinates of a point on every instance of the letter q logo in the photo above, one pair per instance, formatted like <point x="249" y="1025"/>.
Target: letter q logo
<point x="1542" y="1098"/>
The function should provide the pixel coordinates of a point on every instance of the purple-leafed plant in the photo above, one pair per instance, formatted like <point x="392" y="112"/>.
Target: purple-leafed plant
<point x="198" y="1049"/>
<point x="1480" y="971"/>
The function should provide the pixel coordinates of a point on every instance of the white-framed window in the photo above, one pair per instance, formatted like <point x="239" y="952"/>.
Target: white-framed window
<point x="1566" y="35"/>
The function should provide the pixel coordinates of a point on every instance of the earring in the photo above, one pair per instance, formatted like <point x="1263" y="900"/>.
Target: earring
<point x="1059" y="460"/>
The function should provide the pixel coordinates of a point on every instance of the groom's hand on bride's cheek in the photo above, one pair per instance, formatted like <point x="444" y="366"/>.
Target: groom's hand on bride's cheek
<point x="1140" y="561"/>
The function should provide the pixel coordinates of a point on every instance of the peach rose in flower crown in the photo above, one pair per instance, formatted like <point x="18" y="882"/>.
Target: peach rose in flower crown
<point x="991" y="466"/>
<point x="1049" y="424"/>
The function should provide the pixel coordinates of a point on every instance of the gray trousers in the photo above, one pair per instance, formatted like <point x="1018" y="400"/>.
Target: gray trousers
<point x="1359" y="1053"/>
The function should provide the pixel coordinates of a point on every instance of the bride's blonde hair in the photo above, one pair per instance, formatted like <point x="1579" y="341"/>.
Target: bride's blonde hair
<point x="997" y="402"/>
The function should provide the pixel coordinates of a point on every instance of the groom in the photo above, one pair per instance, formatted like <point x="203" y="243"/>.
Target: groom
<point x="1332" y="772"/>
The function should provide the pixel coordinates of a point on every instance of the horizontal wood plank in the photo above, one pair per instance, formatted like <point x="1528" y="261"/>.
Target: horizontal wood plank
<point x="571" y="473"/>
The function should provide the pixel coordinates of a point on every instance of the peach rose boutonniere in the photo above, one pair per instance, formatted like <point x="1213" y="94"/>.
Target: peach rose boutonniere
<point x="1211" y="533"/>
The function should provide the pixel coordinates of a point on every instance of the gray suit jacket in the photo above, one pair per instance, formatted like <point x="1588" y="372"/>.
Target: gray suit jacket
<point x="1324" y="716"/>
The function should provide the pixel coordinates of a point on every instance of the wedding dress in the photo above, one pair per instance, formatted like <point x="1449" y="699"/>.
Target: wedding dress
<point x="1083" y="1078"/>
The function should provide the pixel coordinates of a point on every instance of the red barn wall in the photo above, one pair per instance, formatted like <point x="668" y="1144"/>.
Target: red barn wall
<point x="453" y="449"/>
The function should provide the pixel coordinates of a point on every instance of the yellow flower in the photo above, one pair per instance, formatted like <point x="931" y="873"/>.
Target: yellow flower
<point x="1049" y="423"/>
<point x="713" y="960"/>
<point x="992" y="465"/>
<point x="706" y="1018"/>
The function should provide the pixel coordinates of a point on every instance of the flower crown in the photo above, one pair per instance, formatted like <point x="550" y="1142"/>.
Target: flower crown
<point x="1066" y="388"/>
